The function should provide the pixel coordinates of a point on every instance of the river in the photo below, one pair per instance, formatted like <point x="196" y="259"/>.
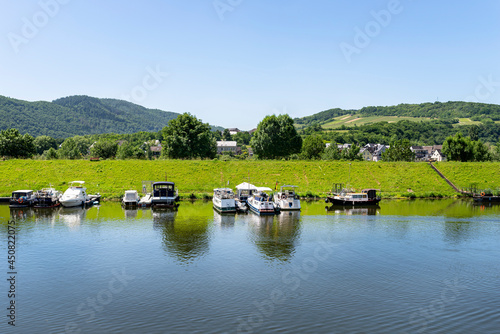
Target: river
<point x="418" y="266"/>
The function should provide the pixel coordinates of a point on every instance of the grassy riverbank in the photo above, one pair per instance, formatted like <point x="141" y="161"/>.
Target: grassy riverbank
<point x="112" y="178"/>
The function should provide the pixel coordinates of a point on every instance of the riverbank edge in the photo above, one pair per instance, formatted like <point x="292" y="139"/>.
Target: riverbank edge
<point x="196" y="179"/>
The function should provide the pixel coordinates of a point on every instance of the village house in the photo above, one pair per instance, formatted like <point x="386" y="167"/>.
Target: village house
<point x="437" y="155"/>
<point x="227" y="146"/>
<point x="234" y="131"/>
<point x="421" y="153"/>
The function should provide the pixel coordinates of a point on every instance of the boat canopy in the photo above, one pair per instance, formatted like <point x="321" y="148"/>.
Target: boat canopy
<point x="246" y="186"/>
<point x="76" y="183"/>
<point x="223" y="189"/>
<point x="264" y="189"/>
<point x="22" y="191"/>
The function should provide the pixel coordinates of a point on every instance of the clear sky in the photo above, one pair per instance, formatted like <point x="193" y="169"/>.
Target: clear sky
<point x="232" y="62"/>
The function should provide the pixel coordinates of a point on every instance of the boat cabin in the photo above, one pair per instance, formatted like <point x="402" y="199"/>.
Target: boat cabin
<point x="22" y="194"/>
<point x="164" y="189"/>
<point x="371" y="193"/>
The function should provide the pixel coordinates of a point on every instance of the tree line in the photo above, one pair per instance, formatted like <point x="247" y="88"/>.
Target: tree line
<point x="276" y="137"/>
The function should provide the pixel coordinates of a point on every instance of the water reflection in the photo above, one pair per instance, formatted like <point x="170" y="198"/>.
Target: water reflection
<point x="457" y="232"/>
<point x="72" y="217"/>
<point x="370" y="210"/>
<point x="224" y="220"/>
<point x="184" y="238"/>
<point x="276" y="236"/>
<point x="18" y="214"/>
<point x="130" y="213"/>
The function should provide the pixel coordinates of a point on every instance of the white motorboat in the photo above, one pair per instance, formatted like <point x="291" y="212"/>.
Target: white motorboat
<point x="131" y="198"/>
<point x="260" y="202"/>
<point x="287" y="198"/>
<point x="75" y="195"/>
<point x="244" y="191"/>
<point x="224" y="200"/>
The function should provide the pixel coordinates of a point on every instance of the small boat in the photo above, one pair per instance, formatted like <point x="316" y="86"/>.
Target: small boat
<point x="287" y="198"/>
<point x="164" y="195"/>
<point x="485" y="197"/>
<point x="75" y="195"/>
<point x="260" y="202"/>
<point x="224" y="200"/>
<point x="145" y="201"/>
<point x="130" y="199"/>
<point x="348" y="197"/>
<point x="243" y="192"/>
<point x="47" y="198"/>
<point x="22" y="199"/>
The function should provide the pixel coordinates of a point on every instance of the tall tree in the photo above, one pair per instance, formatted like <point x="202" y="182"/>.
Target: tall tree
<point x="43" y="143"/>
<point x="104" y="148"/>
<point x="313" y="147"/>
<point x="276" y="137"/>
<point x="458" y="148"/>
<point x="226" y="135"/>
<point x="15" y="145"/>
<point x="186" y="137"/>
<point x="399" y="150"/>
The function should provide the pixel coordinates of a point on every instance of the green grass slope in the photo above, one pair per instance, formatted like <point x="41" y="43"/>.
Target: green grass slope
<point x="112" y="178"/>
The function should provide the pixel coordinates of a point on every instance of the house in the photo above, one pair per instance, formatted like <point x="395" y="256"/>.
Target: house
<point x="430" y="150"/>
<point x="377" y="155"/>
<point x="234" y="131"/>
<point x="252" y="131"/>
<point x="366" y="154"/>
<point x="342" y="147"/>
<point x="227" y="146"/>
<point x="437" y="155"/>
<point x="421" y="153"/>
<point x="155" y="150"/>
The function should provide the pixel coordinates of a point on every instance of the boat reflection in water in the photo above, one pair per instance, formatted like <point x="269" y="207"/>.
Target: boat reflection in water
<point x="224" y="220"/>
<point x="184" y="238"/>
<point x="72" y="217"/>
<point x="369" y="210"/>
<point x="130" y="213"/>
<point x="276" y="236"/>
<point x="17" y="214"/>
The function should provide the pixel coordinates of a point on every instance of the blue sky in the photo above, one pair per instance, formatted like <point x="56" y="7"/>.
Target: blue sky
<point x="232" y="62"/>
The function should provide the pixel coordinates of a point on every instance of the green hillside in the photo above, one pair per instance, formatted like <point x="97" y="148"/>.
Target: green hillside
<point x="79" y="115"/>
<point x="467" y="112"/>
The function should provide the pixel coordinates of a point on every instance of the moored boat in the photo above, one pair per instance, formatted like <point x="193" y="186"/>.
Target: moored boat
<point x="348" y="197"/>
<point x="287" y="198"/>
<point x="224" y="200"/>
<point x="260" y="202"/>
<point x="486" y="197"/>
<point x="75" y="195"/>
<point x="22" y="199"/>
<point x="243" y="192"/>
<point x="130" y="199"/>
<point x="47" y="198"/>
<point x="164" y="195"/>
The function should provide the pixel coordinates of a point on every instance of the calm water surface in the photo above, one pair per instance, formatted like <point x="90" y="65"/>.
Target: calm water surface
<point x="406" y="267"/>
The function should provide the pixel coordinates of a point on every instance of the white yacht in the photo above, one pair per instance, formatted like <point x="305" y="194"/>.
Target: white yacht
<point x="287" y="198"/>
<point x="224" y="200"/>
<point x="131" y="198"/>
<point x="76" y="195"/>
<point x="260" y="203"/>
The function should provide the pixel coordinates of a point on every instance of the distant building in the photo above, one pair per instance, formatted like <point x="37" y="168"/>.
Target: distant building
<point x="234" y="131"/>
<point x="373" y="152"/>
<point x="252" y="131"/>
<point x="155" y="150"/>
<point x="227" y="146"/>
<point x="437" y="155"/>
<point x="421" y="153"/>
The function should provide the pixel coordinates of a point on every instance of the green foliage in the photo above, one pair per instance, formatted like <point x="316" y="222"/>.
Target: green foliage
<point x="43" y="143"/>
<point x="323" y="117"/>
<point x="13" y="144"/>
<point x="459" y="148"/>
<point x="186" y="137"/>
<point x="276" y="137"/>
<point x="351" y="154"/>
<point x="242" y="138"/>
<point x="332" y="152"/>
<point x="313" y="147"/>
<point x="399" y="151"/>
<point x="75" y="147"/>
<point x="104" y="149"/>
<point x="226" y="135"/>
<point x="50" y="154"/>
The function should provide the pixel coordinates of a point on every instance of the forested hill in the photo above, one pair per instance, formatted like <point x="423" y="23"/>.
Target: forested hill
<point x="79" y="115"/>
<point x="438" y="110"/>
